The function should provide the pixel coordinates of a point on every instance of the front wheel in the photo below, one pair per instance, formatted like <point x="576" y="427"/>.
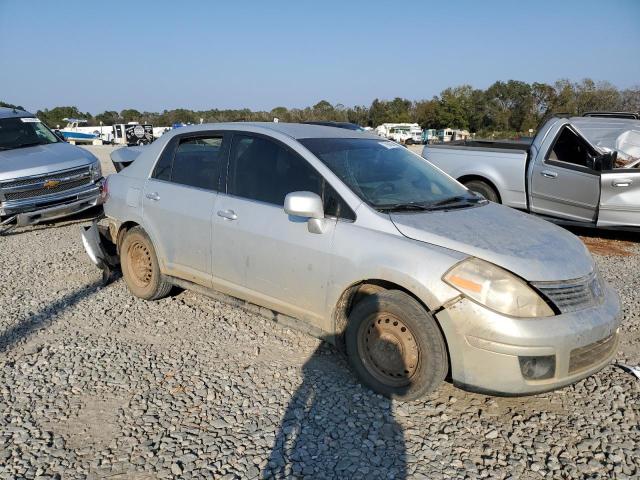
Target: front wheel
<point x="395" y="346"/>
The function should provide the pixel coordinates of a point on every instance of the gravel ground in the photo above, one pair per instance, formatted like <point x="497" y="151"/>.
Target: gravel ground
<point x="95" y="383"/>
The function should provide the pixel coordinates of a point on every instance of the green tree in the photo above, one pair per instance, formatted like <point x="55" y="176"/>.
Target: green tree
<point x="11" y="105"/>
<point x="108" y="117"/>
<point x="56" y="116"/>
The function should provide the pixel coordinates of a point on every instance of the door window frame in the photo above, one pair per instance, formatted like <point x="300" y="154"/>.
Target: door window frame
<point x="227" y="172"/>
<point x="568" y="165"/>
<point x="172" y="146"/>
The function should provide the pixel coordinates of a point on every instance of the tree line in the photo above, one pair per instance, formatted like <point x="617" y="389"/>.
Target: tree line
<point x="505" y="108"/>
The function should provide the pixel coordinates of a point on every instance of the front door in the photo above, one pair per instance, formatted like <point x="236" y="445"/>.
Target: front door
<point x="563" y="185"/>
<point x="620" y="199"/>
<point x="179" y="201"/>
<point x="271" y="257"/>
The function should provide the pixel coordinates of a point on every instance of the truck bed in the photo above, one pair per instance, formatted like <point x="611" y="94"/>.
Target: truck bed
<point x="502" y="164"/>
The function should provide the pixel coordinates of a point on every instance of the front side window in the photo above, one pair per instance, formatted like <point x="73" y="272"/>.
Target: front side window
<point x="266" y="171"/>
<point x="386" y="175"/>
<point x="24" y="132"/>
<point x="570" y="148"/>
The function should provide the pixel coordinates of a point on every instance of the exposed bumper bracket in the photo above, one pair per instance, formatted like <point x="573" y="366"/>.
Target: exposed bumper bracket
<point x="100" y="249"/>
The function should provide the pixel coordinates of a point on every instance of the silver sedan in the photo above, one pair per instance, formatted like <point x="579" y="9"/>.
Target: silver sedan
<point x="366" y="245"/>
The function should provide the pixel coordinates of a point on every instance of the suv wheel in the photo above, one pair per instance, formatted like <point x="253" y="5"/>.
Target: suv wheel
<point x="395" y="346"/>
<point x="140" y="267"/>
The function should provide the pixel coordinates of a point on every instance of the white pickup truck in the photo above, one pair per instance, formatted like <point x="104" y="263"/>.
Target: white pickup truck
<point x="578" y="171"/>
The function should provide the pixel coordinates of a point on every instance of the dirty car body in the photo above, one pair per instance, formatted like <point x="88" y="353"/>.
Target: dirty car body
<point x="41" y="176"/>
<point x="518" y="301"/>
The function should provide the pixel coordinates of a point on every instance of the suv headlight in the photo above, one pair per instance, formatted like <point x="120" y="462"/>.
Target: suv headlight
<point x="497" y="289"/>
<point x="96" y="171"/>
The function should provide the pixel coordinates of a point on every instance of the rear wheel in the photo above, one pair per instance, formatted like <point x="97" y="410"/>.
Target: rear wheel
<point x="140" y="267"/>
<point x="483" y="189"/>
<point x="395" y="346"/>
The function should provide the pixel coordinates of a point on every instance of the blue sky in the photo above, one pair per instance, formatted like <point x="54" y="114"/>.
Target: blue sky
<point x="155" y="55"/>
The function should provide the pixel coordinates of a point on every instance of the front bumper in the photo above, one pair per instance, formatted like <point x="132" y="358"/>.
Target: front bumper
<point x="39" y="209"/>
<point x="485" y="347"/>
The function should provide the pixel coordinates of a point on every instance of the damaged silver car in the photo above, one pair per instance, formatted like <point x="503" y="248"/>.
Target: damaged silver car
<point x="41" y="176"/>
<point x="363" y="244"/>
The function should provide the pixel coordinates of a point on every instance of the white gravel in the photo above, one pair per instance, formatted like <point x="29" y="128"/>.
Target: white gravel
<point x="95" y="383"/>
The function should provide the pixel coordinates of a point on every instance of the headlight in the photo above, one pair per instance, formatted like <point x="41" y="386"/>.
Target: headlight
<point x="96" y="171"/>
<point x="497" y="289"/>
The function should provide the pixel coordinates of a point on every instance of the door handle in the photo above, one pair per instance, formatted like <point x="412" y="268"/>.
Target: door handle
<point x="152" y="196"/>
<point x="622" y="182"/>
<point x="228" y="214"/>
<point x="548" y="174"/>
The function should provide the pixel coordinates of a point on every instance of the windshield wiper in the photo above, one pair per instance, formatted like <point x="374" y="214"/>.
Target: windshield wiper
<point x="400" y="207"/>
<point x="462" y="199"/>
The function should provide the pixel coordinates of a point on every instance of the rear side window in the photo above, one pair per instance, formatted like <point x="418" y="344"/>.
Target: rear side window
<point x="192" y="161"/>
<point x="266" y="171"/>
<point x="162" y="170"/>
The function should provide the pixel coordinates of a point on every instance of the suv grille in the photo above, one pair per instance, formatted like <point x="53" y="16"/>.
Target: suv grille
<point x="573" y="295"/>
<point x="37" y="186"/>
<point x="584" y="357"/>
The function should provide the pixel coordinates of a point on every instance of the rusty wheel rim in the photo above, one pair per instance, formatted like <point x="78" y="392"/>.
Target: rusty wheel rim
<point x="389" y="349"/>
<point x="140" y="264"/>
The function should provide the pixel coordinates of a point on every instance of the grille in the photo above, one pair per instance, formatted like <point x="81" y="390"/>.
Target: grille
<point x="575" y="295"/>
<point x="21" y="182"/>
<point x="46" y="191"/>
<point x="592" y="354"/>
<point x="23" y="190"/>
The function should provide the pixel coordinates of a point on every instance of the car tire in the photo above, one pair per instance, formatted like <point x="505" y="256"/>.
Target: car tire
<point x="483" y="189"/>
<point x="395" y="346"/>
<point x="140" y="267"/>
<point x="409" y="141"/>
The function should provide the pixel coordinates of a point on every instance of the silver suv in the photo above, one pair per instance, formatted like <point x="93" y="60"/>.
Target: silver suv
<point x="365" y="245"/>
<point x="41" y="176"/>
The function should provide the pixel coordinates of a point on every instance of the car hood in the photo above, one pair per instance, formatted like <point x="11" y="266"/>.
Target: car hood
<point x="42" y="159"/>
<point x="530" y="247"/>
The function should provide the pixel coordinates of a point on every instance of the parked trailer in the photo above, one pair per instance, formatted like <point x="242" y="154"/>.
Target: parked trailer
<point x="132" y="134"/>
<point x="407" y="133"/>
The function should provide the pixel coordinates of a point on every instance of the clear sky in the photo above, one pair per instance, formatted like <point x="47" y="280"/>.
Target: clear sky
<point x="155" y="55"/>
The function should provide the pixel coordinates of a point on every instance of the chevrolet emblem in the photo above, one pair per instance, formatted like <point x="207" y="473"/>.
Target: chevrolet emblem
<point x="51" y="184"/>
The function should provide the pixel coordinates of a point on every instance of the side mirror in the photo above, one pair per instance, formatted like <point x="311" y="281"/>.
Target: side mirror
<point x="306" y="205"/>
<point x="58" y="134"/>
<point x="604" y="162"/>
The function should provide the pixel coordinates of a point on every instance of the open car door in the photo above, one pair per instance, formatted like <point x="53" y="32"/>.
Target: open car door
<point x="619" y="198"/>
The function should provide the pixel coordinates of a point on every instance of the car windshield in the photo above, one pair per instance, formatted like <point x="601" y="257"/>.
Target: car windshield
<point x="387" y="176"/>
<point x="23" y="132"/>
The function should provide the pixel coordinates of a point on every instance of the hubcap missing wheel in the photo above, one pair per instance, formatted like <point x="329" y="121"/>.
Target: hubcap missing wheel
<point x="390" y="349"/>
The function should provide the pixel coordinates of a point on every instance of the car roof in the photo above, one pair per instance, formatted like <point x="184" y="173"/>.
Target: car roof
<point x="297" y="131"/>
<point x="14" y="113"/>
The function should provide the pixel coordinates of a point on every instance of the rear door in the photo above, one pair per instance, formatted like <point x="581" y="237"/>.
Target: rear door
<point x="620" y="198"/>
<point x="179" y="201"/>
<point x="562" y="183"/>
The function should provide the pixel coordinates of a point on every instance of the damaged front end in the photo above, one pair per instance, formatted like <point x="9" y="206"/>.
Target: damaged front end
<point x="100" y="249"/>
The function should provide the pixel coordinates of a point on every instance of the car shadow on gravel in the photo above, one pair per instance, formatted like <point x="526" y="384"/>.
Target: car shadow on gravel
<point x="335" y="428"/>
<point x="28" y="325"/>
